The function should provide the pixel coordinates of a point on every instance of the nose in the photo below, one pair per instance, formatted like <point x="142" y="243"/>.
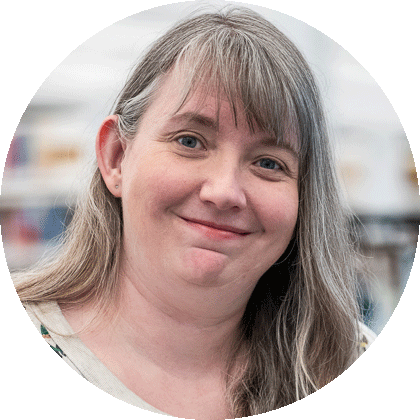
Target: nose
<point x="222" y="187"/>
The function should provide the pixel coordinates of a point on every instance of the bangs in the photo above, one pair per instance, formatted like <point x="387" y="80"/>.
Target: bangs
<point x="231" y="67"/>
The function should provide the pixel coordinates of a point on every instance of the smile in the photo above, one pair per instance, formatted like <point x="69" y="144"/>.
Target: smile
<point x="216" y="231"/>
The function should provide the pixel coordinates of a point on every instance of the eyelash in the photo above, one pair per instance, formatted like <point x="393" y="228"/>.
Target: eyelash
<point x="280" y="167"/>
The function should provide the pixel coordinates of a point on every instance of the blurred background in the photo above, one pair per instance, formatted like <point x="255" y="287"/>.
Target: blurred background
<point x="53" y="148"/>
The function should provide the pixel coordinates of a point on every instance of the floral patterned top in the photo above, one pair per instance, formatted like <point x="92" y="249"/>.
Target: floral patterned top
<point x="54" y="328"/>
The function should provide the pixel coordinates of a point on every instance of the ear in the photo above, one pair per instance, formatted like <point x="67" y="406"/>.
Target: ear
<point x="110" y="153"/>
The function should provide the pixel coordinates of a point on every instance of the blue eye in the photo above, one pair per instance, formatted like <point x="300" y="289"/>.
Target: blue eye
<point x="190" y="142"/>
<point x="268" y="164"/>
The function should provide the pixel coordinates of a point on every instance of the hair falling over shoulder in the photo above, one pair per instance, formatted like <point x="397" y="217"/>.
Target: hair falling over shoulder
<point x="300" y="327"/>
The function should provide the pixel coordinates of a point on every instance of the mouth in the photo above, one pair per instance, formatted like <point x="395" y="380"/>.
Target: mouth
<point x="215" y="230"/>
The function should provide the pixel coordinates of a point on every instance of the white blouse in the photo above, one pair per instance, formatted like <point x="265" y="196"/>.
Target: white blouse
<point x="50" y="321"/>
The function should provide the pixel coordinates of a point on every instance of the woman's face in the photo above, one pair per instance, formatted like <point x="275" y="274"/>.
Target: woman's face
<point x="205" y="202"/>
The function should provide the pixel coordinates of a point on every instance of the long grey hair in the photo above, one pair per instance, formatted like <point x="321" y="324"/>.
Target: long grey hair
<point x="300" y="327"/>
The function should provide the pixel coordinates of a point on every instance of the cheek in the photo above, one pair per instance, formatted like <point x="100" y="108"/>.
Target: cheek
<point x="277" y="210"/>
<point x="154" y="187"/>
<point x="279" y="218"/>
<point x="280" y="212"/>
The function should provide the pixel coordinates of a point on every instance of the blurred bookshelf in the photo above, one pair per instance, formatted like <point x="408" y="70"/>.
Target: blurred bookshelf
<point x="37" y="196"/>
<point x="51" y="147"/>
<point x="42" y="179"/>
<point x="388" y="247"/>
<point x="379" y="178"/>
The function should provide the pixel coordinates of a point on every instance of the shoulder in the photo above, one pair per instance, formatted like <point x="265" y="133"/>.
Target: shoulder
<point x="49" y="322"/>
<point x="48" y="314"/>
<point x="366" y="338"/>
<point x="53" y="327"/>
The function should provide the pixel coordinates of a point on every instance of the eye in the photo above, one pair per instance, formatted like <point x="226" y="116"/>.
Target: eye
<point x="267" y="163"/>
<point x="190" y="142"/>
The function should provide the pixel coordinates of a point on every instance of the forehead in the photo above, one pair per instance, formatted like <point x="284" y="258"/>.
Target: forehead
<point x="176" y="96"/>
<point x="177" y="101"/>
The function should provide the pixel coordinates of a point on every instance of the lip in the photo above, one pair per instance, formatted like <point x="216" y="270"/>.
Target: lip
<point x="215" y="230"/>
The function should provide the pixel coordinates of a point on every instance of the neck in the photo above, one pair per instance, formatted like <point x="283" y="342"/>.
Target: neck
<point x="185" y="334"/>
<point x="174" y="335"/>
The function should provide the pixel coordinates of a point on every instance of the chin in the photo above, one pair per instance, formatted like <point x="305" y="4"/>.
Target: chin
<point x="203" y="267"/>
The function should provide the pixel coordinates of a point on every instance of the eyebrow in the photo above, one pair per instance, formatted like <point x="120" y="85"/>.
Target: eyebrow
<point x="273" y="142"/>
<point x="208" y="122"/>
<point x="193" y="117"/>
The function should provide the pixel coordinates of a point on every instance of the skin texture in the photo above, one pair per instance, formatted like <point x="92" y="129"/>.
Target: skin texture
<point x="208" y="207"/>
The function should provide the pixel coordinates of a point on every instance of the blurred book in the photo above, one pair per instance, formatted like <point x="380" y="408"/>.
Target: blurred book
<point x="18" y="154"/>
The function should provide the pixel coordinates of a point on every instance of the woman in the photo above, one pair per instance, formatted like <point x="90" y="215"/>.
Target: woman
<point x="208" y="272"/>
